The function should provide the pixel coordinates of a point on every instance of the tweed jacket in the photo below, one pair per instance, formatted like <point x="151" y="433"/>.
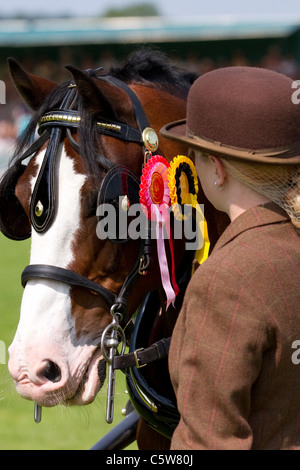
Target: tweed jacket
<point x="233" y="359"/>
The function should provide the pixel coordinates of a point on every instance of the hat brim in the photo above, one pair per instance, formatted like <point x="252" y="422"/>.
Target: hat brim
<point x="178" y="131"/>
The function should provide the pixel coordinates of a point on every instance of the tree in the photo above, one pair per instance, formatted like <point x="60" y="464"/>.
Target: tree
<point x="139" y="9"/>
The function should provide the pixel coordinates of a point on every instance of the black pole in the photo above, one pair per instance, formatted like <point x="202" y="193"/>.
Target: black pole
<point x="121" y="436"/>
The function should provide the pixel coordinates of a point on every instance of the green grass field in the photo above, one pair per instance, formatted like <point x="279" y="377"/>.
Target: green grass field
<point x="61" y="428"/>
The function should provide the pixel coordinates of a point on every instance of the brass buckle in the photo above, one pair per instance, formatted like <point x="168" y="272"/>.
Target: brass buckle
<point x="144" y="263"/>
<point x="137" y="364"/>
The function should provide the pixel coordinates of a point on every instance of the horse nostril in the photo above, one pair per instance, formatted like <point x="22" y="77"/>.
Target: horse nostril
<point x="52" y="372"/>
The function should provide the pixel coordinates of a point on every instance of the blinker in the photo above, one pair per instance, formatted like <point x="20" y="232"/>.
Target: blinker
<point x="120" y="189"/>
<point x="14" y="223"/>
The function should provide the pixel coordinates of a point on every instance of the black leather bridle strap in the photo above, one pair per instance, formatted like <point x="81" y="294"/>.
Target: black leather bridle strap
<point x="37" y="144"/>
<point x="44" y="193"/>
<point x="55" y="273"/>
<point x="139" y="112"/>
<point x="105" y="164"/>
<point x="45" y="189"/>
<point x="141" y="357"/>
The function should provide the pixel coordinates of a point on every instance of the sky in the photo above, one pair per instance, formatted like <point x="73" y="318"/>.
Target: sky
<point x="166" y="7"/>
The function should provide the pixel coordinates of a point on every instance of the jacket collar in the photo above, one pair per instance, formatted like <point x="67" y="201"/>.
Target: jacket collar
<point x="258" y="216"/>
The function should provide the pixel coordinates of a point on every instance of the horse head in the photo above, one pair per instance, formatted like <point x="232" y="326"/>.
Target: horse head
<point x="91" y="148"/>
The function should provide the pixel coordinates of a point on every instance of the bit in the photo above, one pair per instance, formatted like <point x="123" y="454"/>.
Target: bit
<point x="37" y="413"/>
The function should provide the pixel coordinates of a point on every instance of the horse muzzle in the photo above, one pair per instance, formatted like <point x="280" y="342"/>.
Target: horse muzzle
<point x="52" y="382"/>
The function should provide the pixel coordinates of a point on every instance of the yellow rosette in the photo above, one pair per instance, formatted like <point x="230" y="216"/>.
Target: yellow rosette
<point x="183" y="185"/>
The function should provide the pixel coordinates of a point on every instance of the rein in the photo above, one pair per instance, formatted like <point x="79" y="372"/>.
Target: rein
<point x="51" y="127"/>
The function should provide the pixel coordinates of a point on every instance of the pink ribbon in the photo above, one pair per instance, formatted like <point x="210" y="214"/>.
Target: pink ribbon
<point x="162" y="221"/>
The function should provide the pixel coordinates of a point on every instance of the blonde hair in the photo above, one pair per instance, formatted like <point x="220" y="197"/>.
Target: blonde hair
<point x="280" y="183"/>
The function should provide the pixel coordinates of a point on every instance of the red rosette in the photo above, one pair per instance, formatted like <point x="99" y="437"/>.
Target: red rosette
<point x="154" y="188"/>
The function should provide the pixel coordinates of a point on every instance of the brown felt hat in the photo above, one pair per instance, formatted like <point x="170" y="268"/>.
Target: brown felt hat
<point x="245" y="113"/>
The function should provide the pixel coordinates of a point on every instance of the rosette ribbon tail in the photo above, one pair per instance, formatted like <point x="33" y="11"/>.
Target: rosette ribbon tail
<point x="170" y="287"/>
<point x="203" y="251"/>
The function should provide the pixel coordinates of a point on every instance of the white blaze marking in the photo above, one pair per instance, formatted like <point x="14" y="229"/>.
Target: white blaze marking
<point x="46" y="329"/>
<point x="55" y="245"/>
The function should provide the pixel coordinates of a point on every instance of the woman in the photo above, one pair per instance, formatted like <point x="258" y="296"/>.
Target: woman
<point x="232" y="357"/>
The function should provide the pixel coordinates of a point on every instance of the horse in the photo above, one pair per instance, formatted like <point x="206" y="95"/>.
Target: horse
<point x="96" y="130"/>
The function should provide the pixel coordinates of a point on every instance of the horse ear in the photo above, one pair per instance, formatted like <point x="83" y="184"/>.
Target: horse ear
<point x="100" y="96"/>
<point x="33" y="89"/>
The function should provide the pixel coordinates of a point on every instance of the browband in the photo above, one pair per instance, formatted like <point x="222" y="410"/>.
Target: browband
<point x="72" y="119"/>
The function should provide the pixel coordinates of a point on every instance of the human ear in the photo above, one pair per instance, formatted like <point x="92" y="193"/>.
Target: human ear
<point x="220" y="171"/>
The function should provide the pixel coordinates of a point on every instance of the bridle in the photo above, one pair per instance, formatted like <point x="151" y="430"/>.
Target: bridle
<point x="45" y="190"/>
<point x="51" y="128"/>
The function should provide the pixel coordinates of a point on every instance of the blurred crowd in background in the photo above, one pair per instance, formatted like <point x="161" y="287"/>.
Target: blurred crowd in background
<point x="14" y="115"/>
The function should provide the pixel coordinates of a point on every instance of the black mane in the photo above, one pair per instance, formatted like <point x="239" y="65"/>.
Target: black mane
<point x="150" y="66"/>
<point x="144" y="66"/>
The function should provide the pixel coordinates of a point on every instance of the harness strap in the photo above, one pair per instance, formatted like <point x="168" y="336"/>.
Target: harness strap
<point x="37" y="144"/>
<point x="45" y="188"/>
<point x="142" y="357"/>
<point x="139" y="112"/>
<point x="54" y="273"/>
<point x="105" y="164"/>
<point x="43" y="199"/>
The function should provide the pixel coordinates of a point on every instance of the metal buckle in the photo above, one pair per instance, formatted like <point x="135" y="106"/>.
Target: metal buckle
<point x="137" y="363"/>
<point x="144" y="263"/>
